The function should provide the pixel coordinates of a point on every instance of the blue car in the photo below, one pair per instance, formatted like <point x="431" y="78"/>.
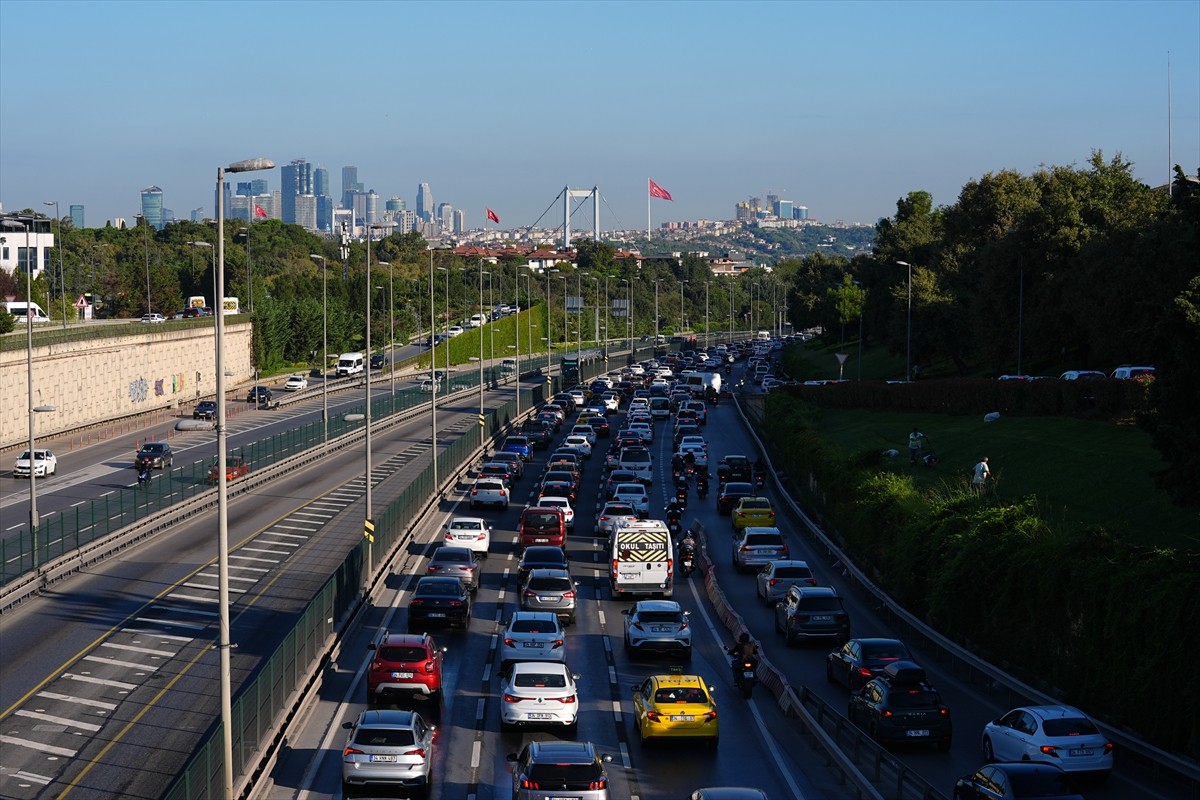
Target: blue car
<point x="519" y="445"/>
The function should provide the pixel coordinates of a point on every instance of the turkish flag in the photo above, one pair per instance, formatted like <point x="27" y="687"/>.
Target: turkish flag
<point x="492" y="216"/>
<point x="259" y="211"/>
<point x="658" y="191"/>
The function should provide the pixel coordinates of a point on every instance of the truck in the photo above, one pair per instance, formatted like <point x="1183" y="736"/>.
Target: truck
<point x="229" y="305"/>
<point x="197" y="301"/>
<point x="642" y="559"/>
<point x="700" y="383"/>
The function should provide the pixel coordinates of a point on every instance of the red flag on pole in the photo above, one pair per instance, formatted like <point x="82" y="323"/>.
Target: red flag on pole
<point x="259" y="211"/>
<point x="658" y="191"/>
<point x="492" y="216"/>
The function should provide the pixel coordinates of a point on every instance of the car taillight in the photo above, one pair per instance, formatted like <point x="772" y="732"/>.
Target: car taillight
<point x="1108" y="748"/>
<point x="945" y="712"/>
<point x="638" y="625"/>
<point x="433" y="568"/>
<point x="456" y="602"/>
<point x="883" y="712"/>
<point x="863" y="671"/>
<point x="653" y="716"/>
<point x="474" y="491"/>
<point x="416" y="601"/>
<point x="420" y="751"/>
<point x="1049" y="750"/>
<point x="670" y="566"/>
<point x="710" y="716"/>
<point x="429" y="666"/>
<point x="510" y="643"/>
<point x="773" y="581"/>
<point x="528" y="593"/>
<point x="557" y="644"/>
<point x="744" y="548"/>
<point x="512" y="698"/>
<point x="600" y="784"/>
<point x="482" y="535"/>
<point x="614" y="567"/>
<point x="811" y="581"/>
<point x="568" y="595"/>
<point x="503" y="492"/>
<point x="376" y="666"/>
<point x="350" y="751"/>
<point x="566" y="701"/>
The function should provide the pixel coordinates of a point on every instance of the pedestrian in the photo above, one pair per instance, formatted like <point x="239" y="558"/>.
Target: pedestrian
<point x="981" y="474"/>
<point x="916" y="443"/>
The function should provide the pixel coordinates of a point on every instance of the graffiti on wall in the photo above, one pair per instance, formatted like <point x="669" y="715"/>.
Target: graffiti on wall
<point x="139" y="388"/>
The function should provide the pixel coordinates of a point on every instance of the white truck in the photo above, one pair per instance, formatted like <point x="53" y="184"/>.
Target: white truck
<point x="642" y="559"/>
<point x="699" y="383"/>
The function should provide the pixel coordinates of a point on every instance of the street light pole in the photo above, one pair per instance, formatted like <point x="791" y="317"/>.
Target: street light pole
<point x="656" y="334"/>
<point x="145" y="224"/>
<point x="908" y="347"/>
<point x="324" y="343"/>
<point x="433" y="378"/>
<point x="391" y="329"/>
<point x="681" y="325"/>
<point x="367" y="517"/>
<point x="223" y="641"/>
<point x="62" y="285"/>
<point x="479" y="330"/>
<point x="861" y="303"/>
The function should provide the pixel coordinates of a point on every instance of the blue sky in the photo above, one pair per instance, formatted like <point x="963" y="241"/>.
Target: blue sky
<point x="842" y="107"/>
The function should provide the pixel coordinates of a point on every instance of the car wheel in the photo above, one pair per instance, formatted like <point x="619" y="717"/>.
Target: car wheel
<point x="989" y="755"/>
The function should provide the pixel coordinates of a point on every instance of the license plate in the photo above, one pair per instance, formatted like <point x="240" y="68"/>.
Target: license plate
<point x="659" y="629"/>
<point x="540" y="716"/>
<point x="916" y="734"/>
<point x="541" y="541"/>
<point x="1086" y="751"/>
<point x="532" y="644"/>
<point x="564" y="797"/>
<point x="402" y="674"/>
<point x="436" y="614"/>
<point x="682" y="718"/>
<point x="544" y="599"/>
<point x="823" y="618"/>
<point x="748" y="674"/>
<point x="384" y="759"/>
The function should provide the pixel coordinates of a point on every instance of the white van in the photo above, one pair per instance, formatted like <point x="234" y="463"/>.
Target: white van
<point x="638" y="461"/>
<point x="23" y="311"/>
<point x="642" y="559"/>
<point x="349" y="364"/>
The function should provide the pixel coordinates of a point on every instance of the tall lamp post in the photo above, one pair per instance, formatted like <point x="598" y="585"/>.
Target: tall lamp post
<point x="706" y="288"/>
<point x="908" y="348"/>
<point x="479" y="330"/>
<point x="324" y="343"/>
<point x="62" y="285"/>
<point x="861" y="304"/>
<point x="681" y="325"/>
<point x="145" y="225"/>
<point x="223" y="641"/>
<point x="656" y="316"/>
<point x="391" y="330"/>
<point x="549" y="322"/>
<point x="446" y="341"/>
<point x="433" y="378"/>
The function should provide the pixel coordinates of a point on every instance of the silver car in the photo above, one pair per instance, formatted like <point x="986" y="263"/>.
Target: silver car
<point x="613" y="516"/>
<point x="532" y="636"/>
<point x="757" y="547"/>
<point x="559" y="769"/>
<point x="658" y="626"/>
<point x="455" y="562"/>
<point x="391" y="749"/>
<point x="777" y="577"/>
<point x="550" y="590"/>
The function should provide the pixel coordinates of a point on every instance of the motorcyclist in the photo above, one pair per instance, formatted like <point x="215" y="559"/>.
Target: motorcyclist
<point x="143" y="475"/>
<point x="677" y="465"/>
<point x="687" y="550"/>
<point x="760" y="472"/>
<point x="681" y="492"/>
<point x="674" y="510"/>
<point x="702" y="482"/>
<point x="744" y="649"/>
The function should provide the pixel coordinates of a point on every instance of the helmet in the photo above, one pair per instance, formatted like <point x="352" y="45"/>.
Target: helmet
<point x="744" y="638"/>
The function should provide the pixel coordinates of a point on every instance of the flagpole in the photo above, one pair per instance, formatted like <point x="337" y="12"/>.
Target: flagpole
<point x="647" y="211"/>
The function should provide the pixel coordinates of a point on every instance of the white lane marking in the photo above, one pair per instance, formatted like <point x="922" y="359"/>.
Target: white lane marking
<point x="274" y="532"/>
<point x="617" y="709"/>
<point x="479" y="710"/>
<point x="475" y="751"/>
<point x="177" y="610"/>
<point x="265" y="550"/>
<point x="193" y="598"/>
<point x="115" y="662"/>
<point x="70" y="723"/>
<point x="252" y="558"/>
<point x="612" y="675"/>
<point x="31" y="776"/>
<point x="129" y="687"/>
<point x="210" y="587"/>
<point x="259" y="540"/>
<point x="79" y="701"/>
<point x="261" y="570"/>
<point x="48" y="749"/>
<point x="134" y="649"/>
<point x="311" y="514"/>
<point x="170" y="624"/>
<point x="157" y="635"/>
<point x="625" y="756"/>
<point x="607" y="645"/>
<point x="603" y="619"/>
<point x="231" y="577"/>
<point x="487" y="673"/>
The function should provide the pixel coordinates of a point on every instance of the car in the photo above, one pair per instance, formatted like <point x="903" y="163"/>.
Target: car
<point x="1019" y="781"/>
<point x="584" y="430"/>
<point x="205" y="409"/>
<point x="658" y="626"/>
<point x="541" y="556"/>
<point x="541" y="526"/>
<point x="154" y="318"/>
<point x="812" y="612"/>
<point x="532" y="636"/>
<point x="551" y="417"/>
<point x="600" y="426"/>
<point x="565" y="459"/>
<point x="561" y="503"/>
<point x="44" y="464"/>
<point x="674" y="707"/>
<point x="537" y="432"/>
<point x="519" y="445"/>
<point x="546" y="770"/>
<point x="513" y="460"/>
<point x="1128" y="373"/>
<point x="615" y="479"/>
<point x="439" y="600"/>
<point x="728" y="793"/>
<point x="538" y="693"/>
<point x="392" y="749"/>
<point x="154" y="454"/>
<point x="489" y="491"/>
<point x="700" y="408"/>
<point x="692" y="440"/>
<point x="613" y="516"/>
<point x="473" y="533"/>
<point x="405" y="664"/>
<point x="579" y="444"/>
<point x="900" y="706"/>
<point x="698" y="453"/>
<point x="757" y="547"/>
<point x="634" y="494"/>
<point x="378" y="360"/>
<point x="235" y="467"/>
<point x="296" y="383"/>
<point x="259" y="394"/>
<point x="496" y="470"/>
<point x="860" y="660"/>
<point x="731" y="494"/>
<point x="455" y="562"/>
<point x="550" y="590"/>
<point x="644" y="430"/>
<point x="735" y="468"/>
<point x="1058" y="735"/>
<point x="556" y="489"/>
<point x="773" y="580"/>
<point x="455" y="330"/>
<point x="753" y="512"/>
<point x="612" y="400"/>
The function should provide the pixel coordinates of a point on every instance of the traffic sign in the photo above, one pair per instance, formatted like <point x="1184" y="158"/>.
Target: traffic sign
<point x="81" y="302"/>
<point x="369" y="530"/>
<point x="482" y="420"/>
<point x="841" y="357"/>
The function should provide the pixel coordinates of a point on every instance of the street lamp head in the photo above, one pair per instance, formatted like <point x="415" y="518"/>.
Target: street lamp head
<point x="251" y="165"/>
<point x="316" y="257"/>
<point x="45" y="409"/>
<point x="903" y="264"/>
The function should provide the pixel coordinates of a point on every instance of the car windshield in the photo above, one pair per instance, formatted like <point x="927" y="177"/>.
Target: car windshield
<point x="821" y="604"/>
<point x="401" y="653"/>
<point x="631" y="489"/>
<point x="564" y="774"/>
<point x="913" y="698"/>
<point x="660" y="616"/>
<point x="489" y="486"/>
<point x="463" y="525"/>
<point x="619" y="511"/>
<point x="884" y="651"/>
<point x="756" y="505"/>
<point x="540" y="680"/>
<point x="446" y="588"/>
<point x="384" y="737"/>
<point x="533" y="626"/>
<point x="453" y="557"/>
<point x="792" y="572"/>
<point x="681" y="694"/>
<point x="153" y="448"/>
<point x="542" y="518"/>
<point x="1074" y="726"/>
<point x="549" y="584"/>
<point x="1043" y="783"/>
<point x="763" y="540"/>
<point x="738" y="489"/>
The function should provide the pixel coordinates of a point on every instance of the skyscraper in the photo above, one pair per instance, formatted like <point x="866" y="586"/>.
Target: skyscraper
<point x="460" y="221"/>
<point x="244" y="189"/>
<point x="320" y="181"/>
<point x="445" y="217"/>
<point x="424" y="203"/>
<point x="258" y="186"/>
<point x="297" y="180"/>
<point x="152" y="206"/>
<point x="77" y="216"/>
<point x="395" y="204"/>
<point x="350" y="186"/>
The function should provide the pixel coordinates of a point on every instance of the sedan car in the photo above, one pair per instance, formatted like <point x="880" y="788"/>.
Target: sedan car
<point x="658" y="626"/>
<point x="154" y="455"/>
<point x="514" y="461"/>
<point x="859" y="660"/>
<point x="1020" y="781"/>
<point x="579" y="444"/>
<point x="472" y="533"/>
<point x="634" y="494"/>
<point x="550" y="590"/>
<point x="153" y="318"/>
<point x="296" y="383"/>
<point x="392" y="749"/>
<point x="675" y="706"/>
<point x="205" y="409"/>
<point x="731" y="494"/>
<point x="532" y="636"/>
<point x="44" y="463"/>
<point x="778" y="576"/>
<point x="540" y="556"/>
<point x="378" y="360"/>
<point x="455" y="562"/>
<point x="499" y="471"/>
<point x="1058" y="735"/>
<point x="753" y="512"/>
<point x="613" y="516"/>
<point x="538" y="693"/>
<point x="439" y="600"/>
<point x="537" y="432"/>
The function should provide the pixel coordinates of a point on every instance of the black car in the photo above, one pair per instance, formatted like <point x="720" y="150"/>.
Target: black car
<point x="259" y="394"/>
<point x="731" y="493"/>
<point x="600" y="426"/>
<point x="1016" y="781"/>
<point x="540" y="556"/>
<point x="154" y="454"/>
<point x="379" y="360"/>
<point x="205" y="409"/>
<point x="860" y="660"/>
<point x="735" y="468"/>
<point x="437" y="599"/>
<point x="901" y="707"/>
<point x="537" y="432"/>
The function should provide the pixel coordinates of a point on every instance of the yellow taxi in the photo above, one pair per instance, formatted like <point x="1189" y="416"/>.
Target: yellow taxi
<point x="675" y="707"/>
<point x="753" y="512"/>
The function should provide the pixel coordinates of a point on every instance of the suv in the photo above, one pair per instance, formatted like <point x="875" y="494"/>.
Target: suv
<point x="205" y="409"/>
<point x="900" y="706"/>
<point x="812" y="612"/>
<point x="404" y="664"/>
<point x="658" y="626"/>
<point x="543" y="770"/>
<point x="757" y="547"/>
<point x="154" y="454"/>
<point x="388" y="748"/>
<point x="490" y="491"/>
<point x="735" y="468"/>
<point x="550" y="590"/>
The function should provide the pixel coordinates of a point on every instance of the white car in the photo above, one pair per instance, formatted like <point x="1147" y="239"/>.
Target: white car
<point x="579" y="444"/>
<point x="613" y="516"/>
<point x="561" y="503"/>
<point x="1059" y="735"/>
<point x="633" y="494"/>
<point x="476" y="321"/>
<point x="637" y="369"/>
<point x="489" y="491"/>
<point x="296" y="383"/>
<point x="639" y="402"/>
<point x="153" y="318"/>
<point x="44" y="463"/>
<point x="586" y="431"/>
<point x="658" y="626"/>
<point x="535" y="693"/>
<point x="699" y="453"/>
<point x="611" y="401"/>
<point x="644" y="430"/>
<point x="473" y="533"/>
<point x="454" y="330"/>
<point x="693" y="439"/>
<point x="532" y="636"/>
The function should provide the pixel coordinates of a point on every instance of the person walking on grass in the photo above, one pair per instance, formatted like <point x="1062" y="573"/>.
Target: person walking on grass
<point x="980" y="476"/>
<point x="916" y="444"/>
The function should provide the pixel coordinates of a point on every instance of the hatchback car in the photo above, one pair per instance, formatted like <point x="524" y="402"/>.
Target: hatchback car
<point x="731" y="494"/>
<point x="615" y="479"/>
<point x="658" y="626"/>
<point x="408" y="664"/>
<point x="753" y="512"/>
<point x="43" y="464"/>
<point x="472" y="533"/>
<point x="860" y="660"/>
<point x="900" y="706"/>
<point x="153" y="455"/>
<point x="538" y="693"/>
<point x="488" y="491"/>
<point x="537" y="433"/>
<point x="439" y="600"/>
<point x="812" y="612"/>
<point x="392" y="749"/>
<point x="499" y="471"/>
<point x="295" y="383"/>
<point x="532" y="636"/>
<point x="773" y="580"/>
<point x="1058" y="735"/>
<point x="550" y="590"/>
<point x="1020" y="781"/>
<point x="455" y="562"/>
<point x="557" y="489"/>
<point x="674" y="707"/>
<point x="756" y="547"/>
<point x="579" y="444"/>
<point x="547" y="770"/>
<point x="541" y="557"/>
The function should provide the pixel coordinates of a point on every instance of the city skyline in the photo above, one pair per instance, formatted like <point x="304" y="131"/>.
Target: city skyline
<point x="843" y="108"/>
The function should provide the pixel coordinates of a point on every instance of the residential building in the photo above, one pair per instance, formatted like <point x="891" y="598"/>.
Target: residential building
<point x="305" y="206"/>
<point x="22" y="251"/>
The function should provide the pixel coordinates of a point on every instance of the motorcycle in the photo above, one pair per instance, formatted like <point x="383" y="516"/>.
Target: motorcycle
<point x="143" y="477"/>
<point x="745" y="675"/>
<point x="702" y="489"/>
<point x="760" y="479"/>
<point x="674" y="525"/>
<point x="681" y="494"/>
<point x="687" y="558"/>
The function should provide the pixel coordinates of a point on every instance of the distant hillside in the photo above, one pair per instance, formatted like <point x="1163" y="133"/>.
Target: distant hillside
<point x="771" y="244"/>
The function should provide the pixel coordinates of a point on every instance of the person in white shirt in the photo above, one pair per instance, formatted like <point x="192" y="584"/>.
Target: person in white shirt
<point x="980" y="477"/>
<point x="916" y="443"/>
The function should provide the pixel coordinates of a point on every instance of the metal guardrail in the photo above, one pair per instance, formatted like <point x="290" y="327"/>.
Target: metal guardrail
<point x="967" y="666"/>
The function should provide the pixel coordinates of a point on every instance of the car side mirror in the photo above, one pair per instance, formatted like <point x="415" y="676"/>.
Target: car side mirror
<point x="606" y="758"/>
<point x="371" y="646"/>
<point x="346" y="726"/>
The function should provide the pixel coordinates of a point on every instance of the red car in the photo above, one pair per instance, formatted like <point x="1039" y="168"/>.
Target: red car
<point x="404" y="664"/>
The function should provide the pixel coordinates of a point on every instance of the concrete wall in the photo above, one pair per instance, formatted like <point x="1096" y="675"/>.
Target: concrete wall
<point x="95" y="381"/>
